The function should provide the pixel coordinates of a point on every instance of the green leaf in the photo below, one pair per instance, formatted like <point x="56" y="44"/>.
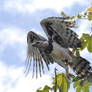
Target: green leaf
<point x="45" y="89"/>
<point x="90" y="44"/>
<point x="78" y="89"/>
<point x="84" y="45"/>
<point x="59" y="80"/>
<point x="64" y="15"/>
<point x="88" y="83"/>
<point x="39" y="90"/>
<point x="72" y="17"/>
<point x="76" y="83"/>
<point x="65" y="85"/>
<point x="79" y="16"/>
<point x="89" y="11"/>
<point x="62" y="82"/>
<point x="85" y="40"/>
<point x="77" y="53"/>
<point x="85" y="89"/>
<point x="75" y="79"/>
<point x="86" y="37"/>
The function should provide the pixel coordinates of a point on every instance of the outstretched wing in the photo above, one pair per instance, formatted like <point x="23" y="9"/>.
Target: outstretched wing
<point x="38" y="56"/>
<point x="59" y="30"/>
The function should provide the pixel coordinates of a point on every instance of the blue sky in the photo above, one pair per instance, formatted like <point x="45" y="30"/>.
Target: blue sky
<point x="16" y="19"/>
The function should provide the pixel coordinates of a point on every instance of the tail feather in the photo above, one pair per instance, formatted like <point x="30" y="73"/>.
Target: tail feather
<point x="80" y="66"/>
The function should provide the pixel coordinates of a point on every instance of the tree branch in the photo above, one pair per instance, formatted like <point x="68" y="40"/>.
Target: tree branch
<point x="55" y="81"/>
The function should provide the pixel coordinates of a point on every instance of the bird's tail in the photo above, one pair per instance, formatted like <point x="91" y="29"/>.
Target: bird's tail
<point x="80" y="66"/>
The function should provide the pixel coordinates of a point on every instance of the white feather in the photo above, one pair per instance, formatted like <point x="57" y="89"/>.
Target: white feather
<point x="59" y="53"/>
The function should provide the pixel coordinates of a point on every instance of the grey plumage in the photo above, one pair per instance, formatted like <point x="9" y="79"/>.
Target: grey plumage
<point x="56" y="48"/>
<point x="37" y="55"/>
<point x="59" y="28"/>
<point x="80" y="66"/>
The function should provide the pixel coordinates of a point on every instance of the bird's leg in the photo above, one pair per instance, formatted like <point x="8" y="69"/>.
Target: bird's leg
<point x="64" y="64"/>
<point x="67" y="72"/>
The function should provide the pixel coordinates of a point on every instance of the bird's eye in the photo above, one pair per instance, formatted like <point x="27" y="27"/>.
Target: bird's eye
<point x="37" y="42"/>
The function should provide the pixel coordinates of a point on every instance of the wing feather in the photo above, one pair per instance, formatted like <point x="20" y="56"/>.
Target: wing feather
<point x="59" y="28"/>
<point x="38" y="56"/>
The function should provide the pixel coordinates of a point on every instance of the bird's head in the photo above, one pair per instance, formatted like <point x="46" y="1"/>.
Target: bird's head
<point x="33" y="37"/>
<point x="40" y="44"/>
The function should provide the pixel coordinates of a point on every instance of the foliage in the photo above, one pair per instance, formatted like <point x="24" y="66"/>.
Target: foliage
<point x="86" y="40"/>
<point x="81" y="88"/>
<point x="89" y="11"/>
<point x="45" y="89"/>
<point x="63" y="84"/>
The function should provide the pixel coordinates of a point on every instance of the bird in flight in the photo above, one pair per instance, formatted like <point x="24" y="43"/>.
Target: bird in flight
<point x="56" y="48"/>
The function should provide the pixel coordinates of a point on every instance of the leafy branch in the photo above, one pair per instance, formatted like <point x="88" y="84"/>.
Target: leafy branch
<point x="63" y="84"/>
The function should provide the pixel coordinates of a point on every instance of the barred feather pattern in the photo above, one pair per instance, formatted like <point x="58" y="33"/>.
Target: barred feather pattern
<point x="55" y="25"/>
<point x="80" y="66"/>
<point x="36" y="55"/>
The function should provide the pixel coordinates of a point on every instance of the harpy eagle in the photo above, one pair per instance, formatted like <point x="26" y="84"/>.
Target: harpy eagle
<point x="56" y="47"/>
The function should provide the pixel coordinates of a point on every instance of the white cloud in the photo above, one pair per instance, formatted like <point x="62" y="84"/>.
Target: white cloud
<point x="8" y="76"/>
<point x="33" y="5"/>
<point x="30" y="85"/>
<point x="14" y="38"/>
<point x="13" y="80"/>
<point x="11" y="36"/>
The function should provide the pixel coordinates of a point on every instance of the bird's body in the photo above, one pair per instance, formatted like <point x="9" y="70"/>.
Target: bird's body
<point x="56" y="48"/>
<point x="60" y="53"/>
